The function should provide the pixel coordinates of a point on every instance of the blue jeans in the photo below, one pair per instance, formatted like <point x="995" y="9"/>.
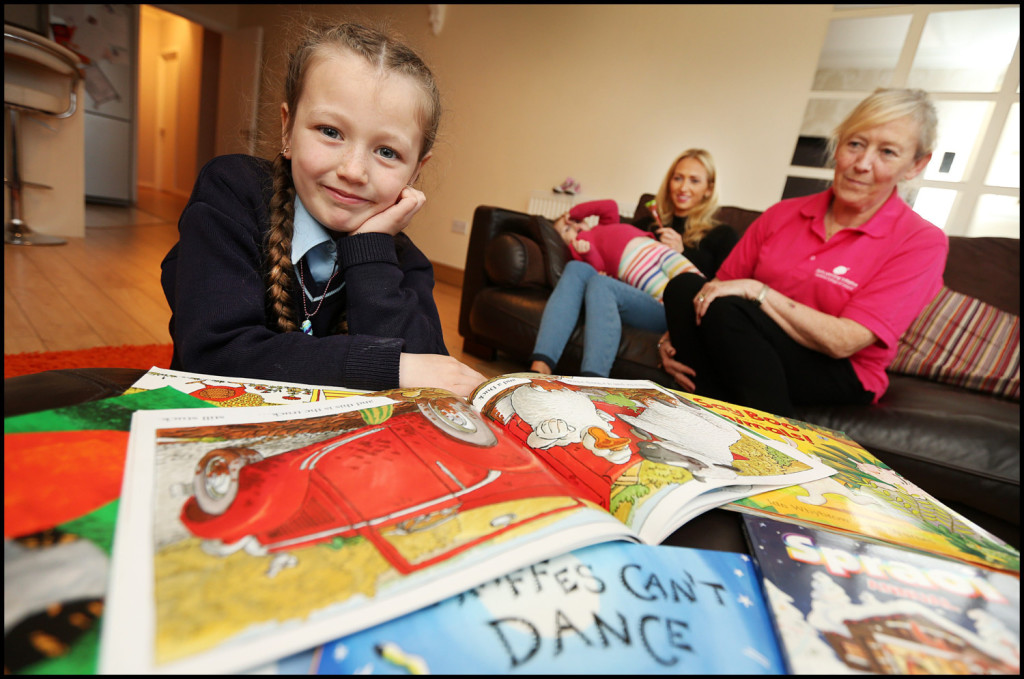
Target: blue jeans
<point x="609" y="303"/>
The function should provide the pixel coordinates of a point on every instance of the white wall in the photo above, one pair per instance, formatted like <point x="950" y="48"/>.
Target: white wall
<point x="608" y="94"/>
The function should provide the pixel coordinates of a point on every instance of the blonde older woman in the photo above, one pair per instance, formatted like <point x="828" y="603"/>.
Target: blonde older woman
<point x="808" y="307"/>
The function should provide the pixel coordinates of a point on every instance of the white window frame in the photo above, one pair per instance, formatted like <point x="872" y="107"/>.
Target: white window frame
<point x="972" y="186"/>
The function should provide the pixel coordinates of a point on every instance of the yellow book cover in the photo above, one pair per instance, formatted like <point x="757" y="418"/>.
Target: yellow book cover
<point x="864" y="497"/>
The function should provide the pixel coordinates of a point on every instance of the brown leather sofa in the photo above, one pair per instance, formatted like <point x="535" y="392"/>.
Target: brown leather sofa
<point x="961" y="446"/>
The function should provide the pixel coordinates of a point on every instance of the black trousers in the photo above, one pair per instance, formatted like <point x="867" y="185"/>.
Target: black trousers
<point x="743" y="357"/>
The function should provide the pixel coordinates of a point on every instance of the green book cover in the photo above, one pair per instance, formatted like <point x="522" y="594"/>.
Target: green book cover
<point x="62" y="478"/>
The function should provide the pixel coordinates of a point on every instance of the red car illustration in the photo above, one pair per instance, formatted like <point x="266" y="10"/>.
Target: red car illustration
<point x="426" y="462"/>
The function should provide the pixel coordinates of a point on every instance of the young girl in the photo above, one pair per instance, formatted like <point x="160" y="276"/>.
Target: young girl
<point x="686" y="201"/>
<point x="298" y="270"/>
<point x="620" y="250"/>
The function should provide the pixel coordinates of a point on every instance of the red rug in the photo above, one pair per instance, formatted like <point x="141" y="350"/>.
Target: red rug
<point x="126" y="356"/>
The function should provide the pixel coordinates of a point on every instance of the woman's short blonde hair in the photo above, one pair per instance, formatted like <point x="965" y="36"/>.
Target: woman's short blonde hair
<point x="884" y="106"/>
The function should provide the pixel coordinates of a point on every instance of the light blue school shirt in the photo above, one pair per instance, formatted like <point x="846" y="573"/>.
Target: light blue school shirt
<point x="312" y="240"/>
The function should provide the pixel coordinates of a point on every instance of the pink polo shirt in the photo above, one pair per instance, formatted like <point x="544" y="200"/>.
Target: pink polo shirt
<point x="881" y="274"/>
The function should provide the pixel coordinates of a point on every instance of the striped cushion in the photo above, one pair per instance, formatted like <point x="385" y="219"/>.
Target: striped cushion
<point x="963" y="341"/>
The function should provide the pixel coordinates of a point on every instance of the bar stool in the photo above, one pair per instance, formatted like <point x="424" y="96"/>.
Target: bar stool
<point x="29" y="52"/>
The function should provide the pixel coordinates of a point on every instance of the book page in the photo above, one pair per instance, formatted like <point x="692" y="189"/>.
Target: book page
<point x="636" y="449"/>
<point x="63" y="470"/>
<point x="866" y="498"/>
<point x="237" y="391"/>
<point x="245" y="534"/>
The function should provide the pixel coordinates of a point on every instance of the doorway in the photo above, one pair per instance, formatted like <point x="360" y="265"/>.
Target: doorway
<point x="166" y="141"/>
<point x="169" y="67"/>
<point x="198" y="94"/>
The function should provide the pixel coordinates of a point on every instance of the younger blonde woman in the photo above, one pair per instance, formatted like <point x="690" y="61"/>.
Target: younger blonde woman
<point x="686" y="203"/>
<point x="688" y="197"/>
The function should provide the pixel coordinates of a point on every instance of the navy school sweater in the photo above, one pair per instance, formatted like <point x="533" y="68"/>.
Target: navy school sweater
<point x="214" y="282"/>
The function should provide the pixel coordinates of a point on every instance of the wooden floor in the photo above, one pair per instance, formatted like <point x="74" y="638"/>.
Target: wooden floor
<point x="104" y="289"/>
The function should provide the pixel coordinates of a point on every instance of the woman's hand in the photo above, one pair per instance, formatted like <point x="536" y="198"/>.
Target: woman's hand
<point x="397" y="217"/>
<point x="833" y="336"/>
<point x="670" y="237"/>
<point x="713" y="289"/>
<point x="435" y="370"/>
<point x="680" y="372"/>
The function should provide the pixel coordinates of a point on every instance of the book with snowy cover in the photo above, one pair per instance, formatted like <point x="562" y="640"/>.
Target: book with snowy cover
<point x="845" y="606"/>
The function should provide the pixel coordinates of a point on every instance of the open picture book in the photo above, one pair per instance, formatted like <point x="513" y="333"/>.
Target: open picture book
<point x="865" y="498"/>
<point x="246" y="534"/>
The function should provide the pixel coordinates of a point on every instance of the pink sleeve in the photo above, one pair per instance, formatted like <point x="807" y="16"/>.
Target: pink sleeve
<point x="888" y="303"/>
<point x="607" y="211"/>
<point x="593" y="256"/>
<point x="742" y="259"/>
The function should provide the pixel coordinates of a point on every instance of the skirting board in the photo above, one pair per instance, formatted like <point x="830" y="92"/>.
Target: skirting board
<point x="447" y="274"/>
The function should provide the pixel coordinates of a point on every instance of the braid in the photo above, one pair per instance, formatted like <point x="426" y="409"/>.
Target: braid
<point x="280" y="270"/>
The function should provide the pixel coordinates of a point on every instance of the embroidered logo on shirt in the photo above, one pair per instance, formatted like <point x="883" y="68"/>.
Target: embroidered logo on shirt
<point x="837" y="276"/>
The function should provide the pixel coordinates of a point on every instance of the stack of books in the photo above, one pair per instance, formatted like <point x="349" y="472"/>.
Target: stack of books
<point x="517" y="531"/>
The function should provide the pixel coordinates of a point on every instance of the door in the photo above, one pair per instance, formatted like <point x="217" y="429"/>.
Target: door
<point x="168" y="74"/>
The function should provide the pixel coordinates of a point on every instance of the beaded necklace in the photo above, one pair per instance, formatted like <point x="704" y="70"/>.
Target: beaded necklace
<point x="307" y="325"/>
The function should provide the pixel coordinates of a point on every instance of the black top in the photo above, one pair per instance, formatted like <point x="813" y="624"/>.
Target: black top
<point x="214" y="282"/>
<point x="709" y="253"/>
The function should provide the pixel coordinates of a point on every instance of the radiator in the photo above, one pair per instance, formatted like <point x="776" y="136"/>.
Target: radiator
<point x="550" y="204"/>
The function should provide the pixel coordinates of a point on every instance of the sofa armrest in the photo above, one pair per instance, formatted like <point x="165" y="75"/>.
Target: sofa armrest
<point x="488" y="223"/>
<point x="514" y="261"/>
<point x="553" y="249"/>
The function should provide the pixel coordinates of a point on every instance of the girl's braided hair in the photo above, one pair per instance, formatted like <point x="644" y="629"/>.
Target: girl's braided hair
<point x="388" y="55"/>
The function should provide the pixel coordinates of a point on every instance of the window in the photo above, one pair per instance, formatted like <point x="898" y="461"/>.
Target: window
<point x="968" y="59"/>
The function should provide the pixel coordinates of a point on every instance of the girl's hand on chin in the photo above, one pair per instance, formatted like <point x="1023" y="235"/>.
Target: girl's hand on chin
<point x="397" y="217"/>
